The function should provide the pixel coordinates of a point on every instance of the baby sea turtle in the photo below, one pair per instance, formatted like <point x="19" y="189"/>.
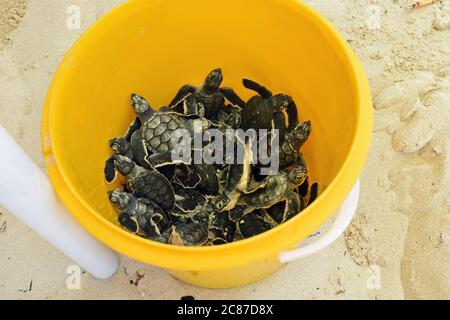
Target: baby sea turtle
<point x="221" y="229"/>
<point x="188" y="200"/>
<point x="303" y="190"/>
<point x="294" y="140"/>
<point x="279" y="117"/>
<point x="288" y="153"/>
<point x="129" y="146"/>
<point x="254" y="223"/>
<point x="287" y="209"/>
<point x="158" y="128"/>
<point x="188" y="234"/>
<point x="283" y="211"/>
<point x="146" y="183"/>
<point x="275" y="189"/>
<point x="210" y="95"/>
<point x="139" y="215"/>
<point x="133" y="149"/>
<point x="260" y="110"/>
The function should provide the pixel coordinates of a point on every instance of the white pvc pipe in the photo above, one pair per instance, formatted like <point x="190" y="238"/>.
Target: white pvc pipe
<point x="344" y="216"/>
<point x="26" y="192"/>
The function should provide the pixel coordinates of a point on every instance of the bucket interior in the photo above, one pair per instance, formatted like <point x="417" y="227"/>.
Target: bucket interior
<point x="154" y="47"/>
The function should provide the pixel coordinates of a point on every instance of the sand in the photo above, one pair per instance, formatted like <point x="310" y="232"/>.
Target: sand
<point x="401" y="234"/>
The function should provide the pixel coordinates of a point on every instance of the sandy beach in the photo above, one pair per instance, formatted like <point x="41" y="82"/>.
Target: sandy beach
<point x="401" y="234"/>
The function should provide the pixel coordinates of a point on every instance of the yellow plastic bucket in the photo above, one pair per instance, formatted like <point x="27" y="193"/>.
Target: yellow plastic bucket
<point x="154" y="47"/>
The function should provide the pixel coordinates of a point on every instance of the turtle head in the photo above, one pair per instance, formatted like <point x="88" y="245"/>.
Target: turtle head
<point x="119" y="145"/>
<point x="284" y="100"/>
<point x="123" y="164"/>
<point x="214" y="79"/>
<point x="298" y="175"/>
<point x="120" y="199"/>
<point x="302" y="131"/>
<point x="139" y="104"/>
<point x="221" y="202"/>
<point x="280" y="102"/>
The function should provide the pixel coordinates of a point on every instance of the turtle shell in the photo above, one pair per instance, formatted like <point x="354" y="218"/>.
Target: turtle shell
<point x="274" y="192"/>
<point x="189" y="234"/>
<point x="191" y="199"/>
<point x="255" y="223"/>
<point x="157" y="131"/>
<point x="154" y="186"/>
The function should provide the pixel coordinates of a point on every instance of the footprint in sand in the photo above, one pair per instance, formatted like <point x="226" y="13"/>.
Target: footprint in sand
<point x="420" y="138"/>
<point x="421" y="183"/>
<point x="416" y="132"/>
<point x="426" y="260"/>
<point x="399" y="98"/>
<point x="417" y="186"/>
<point x="441" y="20"/>
<point x="11" y="15"/>
<point x="416" y="123"/>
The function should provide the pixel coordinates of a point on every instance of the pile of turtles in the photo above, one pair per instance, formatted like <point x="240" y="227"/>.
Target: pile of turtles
<point x="191" y="204"/>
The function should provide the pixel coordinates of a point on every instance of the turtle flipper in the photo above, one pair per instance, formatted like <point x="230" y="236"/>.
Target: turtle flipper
<point x="293" y="205"/>
<point x="232" y="96"/>
<point x="139" y="150"/>
<point x="190" y="106"/>
<point x="261" y="90"/>
<point x="209" y="181"/>
<point x="279" y="124"/>
<point x="128" y="222"/>
<point x="183" y="92"/>
<point x="135" y="126"/>
<point x="292" y="113"/>
<point x="314" y="193"/>
<point x="110" y="170"/>
<point x="255" y="223"/>
<point x="303" y="189"/>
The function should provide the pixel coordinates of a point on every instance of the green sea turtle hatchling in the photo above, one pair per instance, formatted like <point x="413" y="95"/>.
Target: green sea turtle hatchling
<point x="188" y="234"/>
<point x="188" y="200"/>
<point x="283" y="211"/>
<point x="139" y="215"/>
<point x="275" y="189"/>
<point x="279" y="117"/>
<point x="289" y="152"/>
<point x="146" y="183"/>
<point x="158" y="128"/>
<point x="133" y="149"/>
<point x="210" y="95"/>
<point x="313" y="192"/>
<point x="221" y="229"/>
<point x="264" y="111"/>
<point x="254" y="223"/>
